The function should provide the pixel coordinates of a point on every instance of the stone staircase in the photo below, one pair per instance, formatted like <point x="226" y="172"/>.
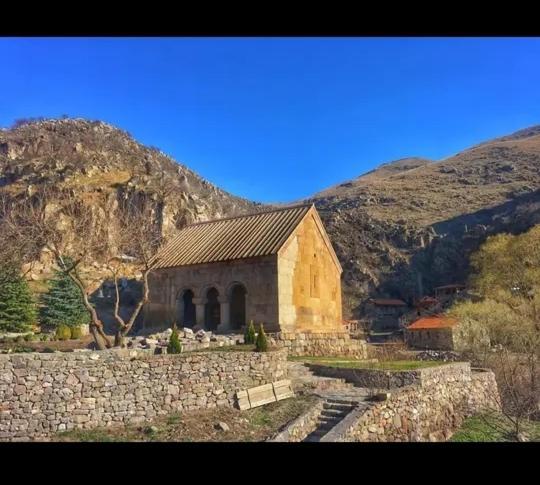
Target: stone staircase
<point x="334" y="410"/>
<point x="340" y="397"/>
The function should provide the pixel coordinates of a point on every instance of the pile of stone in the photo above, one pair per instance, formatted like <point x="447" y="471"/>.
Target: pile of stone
<point x="436" y="355"/>
<point x="190" y="340"/>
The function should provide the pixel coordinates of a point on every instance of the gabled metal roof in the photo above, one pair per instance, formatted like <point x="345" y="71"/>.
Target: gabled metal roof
<point x="259" y="234"/>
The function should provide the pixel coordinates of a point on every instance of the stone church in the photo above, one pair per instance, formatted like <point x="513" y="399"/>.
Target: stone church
<point x="277" y="268"/>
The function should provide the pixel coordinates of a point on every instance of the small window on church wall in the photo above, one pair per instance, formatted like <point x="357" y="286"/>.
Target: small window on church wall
<point x="314" y="282"/>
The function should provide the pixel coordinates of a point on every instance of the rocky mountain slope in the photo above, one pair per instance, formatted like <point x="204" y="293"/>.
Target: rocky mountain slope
<point x="410" y="225"/>
<point x="102" y="164"/>
<point x="398" y="230"/>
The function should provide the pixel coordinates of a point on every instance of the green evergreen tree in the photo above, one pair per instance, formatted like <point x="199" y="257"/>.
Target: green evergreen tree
<point x="175" y="346"/>
<point x="249" y="335"/>
<point x="17" y="307"/>
<point x="63" y="303"/>
<point x="261" y="343"/>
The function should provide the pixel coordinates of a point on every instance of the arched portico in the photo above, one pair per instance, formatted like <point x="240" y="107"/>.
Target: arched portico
<point x="237" y="305"/>
<point x="212" y="310"/>
<point x="185" y="308"/>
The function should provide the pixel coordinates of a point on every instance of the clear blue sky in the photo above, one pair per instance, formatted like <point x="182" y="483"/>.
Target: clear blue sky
<point x="277" y="119"/>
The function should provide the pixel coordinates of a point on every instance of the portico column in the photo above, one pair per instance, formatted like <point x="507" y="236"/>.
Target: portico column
<point x="225" y="324"/>
<point x="199" y="311"/>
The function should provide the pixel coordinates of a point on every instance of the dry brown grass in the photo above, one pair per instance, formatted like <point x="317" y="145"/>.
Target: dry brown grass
<point x="257" y="424"/>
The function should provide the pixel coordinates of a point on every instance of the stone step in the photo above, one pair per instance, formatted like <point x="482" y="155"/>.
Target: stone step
<point x="338" y="407"/>
<point x="342" y="401"/>
<point x="330" y="413"/>
<point x="319" y="432"/>
<point x="327" y="425"/>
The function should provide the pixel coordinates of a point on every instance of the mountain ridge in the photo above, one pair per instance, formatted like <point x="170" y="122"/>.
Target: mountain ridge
<point x="407" y="219"/>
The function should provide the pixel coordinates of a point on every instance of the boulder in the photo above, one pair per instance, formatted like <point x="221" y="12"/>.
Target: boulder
<point x="202" y="334"/>
<point x="149" y="341"/>
<point x="222" y="426"/>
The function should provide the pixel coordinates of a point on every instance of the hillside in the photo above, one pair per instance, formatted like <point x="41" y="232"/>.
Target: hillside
<point x="102" y="164"/>
<point x="398" y="230"/>
<point x="416" y="217"/>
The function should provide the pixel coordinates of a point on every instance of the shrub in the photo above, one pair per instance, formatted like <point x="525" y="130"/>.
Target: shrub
<point x="76" y="332"/>
<point x="63" y="332"/>
<point x="249" y="336"/>
<point x="261" y="343"/>
<point x="175" y="346"/>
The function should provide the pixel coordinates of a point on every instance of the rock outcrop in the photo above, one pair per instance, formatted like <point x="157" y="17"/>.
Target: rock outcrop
<point x="410" y="225"/>
<point x="103" y="165"/>
<point x="399" y="230"/>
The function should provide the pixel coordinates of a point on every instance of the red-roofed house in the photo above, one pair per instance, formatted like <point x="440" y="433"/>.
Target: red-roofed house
<point x="435" y="332"/>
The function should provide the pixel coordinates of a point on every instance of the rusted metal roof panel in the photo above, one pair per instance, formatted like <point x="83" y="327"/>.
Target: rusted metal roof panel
<point x="434" y="322"/>
<point x="259" y="234"/>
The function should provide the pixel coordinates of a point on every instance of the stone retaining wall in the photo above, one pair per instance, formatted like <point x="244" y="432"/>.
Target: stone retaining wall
<point x="305" y="424"/>
<point x="430" y="410"/>
<point x="390" y="379"/>
<point x="321" y="344"/>
<point x="41" y="394"/>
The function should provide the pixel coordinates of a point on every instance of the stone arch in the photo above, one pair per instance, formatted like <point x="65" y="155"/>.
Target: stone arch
<point x="203" y="292"/>
<point x="185" y="307"/>
<point x="212" y="309"/>
<point x="237" y="294"/>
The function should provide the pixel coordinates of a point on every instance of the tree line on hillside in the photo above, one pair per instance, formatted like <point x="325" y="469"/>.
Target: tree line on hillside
<point x="506" y="283"/>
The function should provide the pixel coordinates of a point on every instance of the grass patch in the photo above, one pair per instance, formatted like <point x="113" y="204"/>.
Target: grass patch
<point x="348" y="363"/>
<point x="260" y="417"/>
<point x="321" y="359"/>
<point x="493" y="428"/>
<point x="101" y="435"/>
<point x="225" y="348"/>
<point x="173" y="419"/>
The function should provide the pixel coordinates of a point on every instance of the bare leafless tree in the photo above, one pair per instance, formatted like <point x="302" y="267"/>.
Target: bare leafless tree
<point x="14" y="252"/>
<point x="68" y="229"/>
<point x="61" y="222"/>
<point x="138" y="240"/>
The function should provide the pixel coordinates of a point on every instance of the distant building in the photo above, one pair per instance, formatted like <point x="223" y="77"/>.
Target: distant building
<point x="443" y="293"/>
<point x="276" y="267"/>
<point x="439" y="332"/>
<point x="352" y="326"/>
<point x="384" y="314"/>
<point x="435" y="332"/>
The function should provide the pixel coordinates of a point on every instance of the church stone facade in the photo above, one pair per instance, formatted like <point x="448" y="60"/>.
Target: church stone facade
<point x="277" y="268"/>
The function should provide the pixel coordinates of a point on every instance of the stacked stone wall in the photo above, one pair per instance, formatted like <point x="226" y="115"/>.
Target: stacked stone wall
<point x="41" y="394"/>
<point x="321" y="344"/>
<point x="430" y="410"/>
<point x="301" y="426"/>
